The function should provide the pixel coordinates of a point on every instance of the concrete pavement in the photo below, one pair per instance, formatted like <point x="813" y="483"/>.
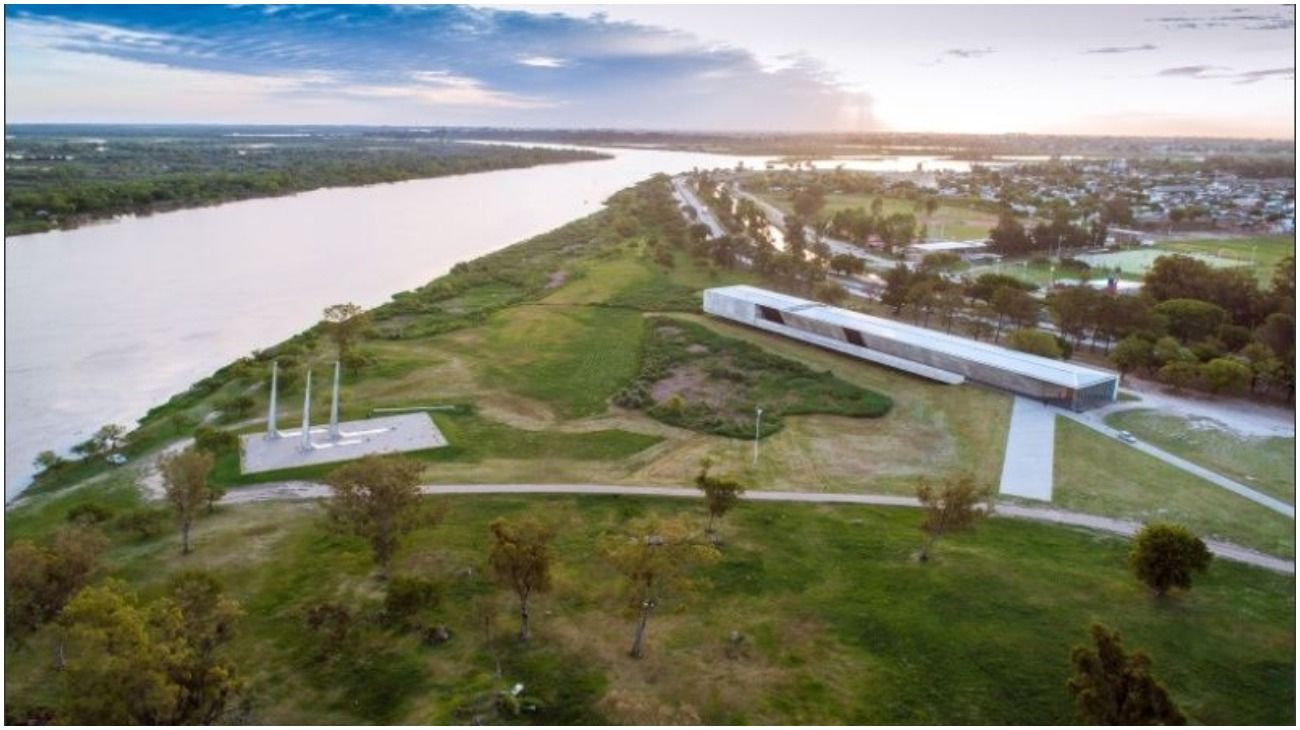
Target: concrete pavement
<point x="1030" y="451"/>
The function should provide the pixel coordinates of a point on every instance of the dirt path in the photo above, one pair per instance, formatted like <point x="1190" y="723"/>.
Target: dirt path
<point x="1240" y="417"/>
<point x="1125" y="528"/>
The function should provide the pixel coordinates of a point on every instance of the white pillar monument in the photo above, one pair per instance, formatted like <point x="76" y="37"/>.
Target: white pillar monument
<point x="271" y="432"/>
<point x="334" y="406"/>
<point x="306" y="415"/>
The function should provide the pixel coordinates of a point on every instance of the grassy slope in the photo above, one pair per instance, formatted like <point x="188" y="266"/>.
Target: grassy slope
<point x="839" y="624"/>
<point x="1103" y="476"/>
<point x="1268" y="464"/>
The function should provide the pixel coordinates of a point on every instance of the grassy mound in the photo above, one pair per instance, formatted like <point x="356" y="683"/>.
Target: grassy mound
<point x="694" y="378"/>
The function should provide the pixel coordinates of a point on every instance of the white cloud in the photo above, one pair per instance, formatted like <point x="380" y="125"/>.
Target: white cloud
<point x="543" y="62"/>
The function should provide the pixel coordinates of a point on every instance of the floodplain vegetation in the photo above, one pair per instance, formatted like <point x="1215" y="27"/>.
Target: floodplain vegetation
<point x="379" y="605"/>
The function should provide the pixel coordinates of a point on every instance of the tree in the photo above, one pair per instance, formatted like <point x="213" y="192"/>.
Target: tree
<point x="1226" y="375"/>
<point x="378" y="498"/>
<point x="809" y="200"/>
<point x="656" y="558"/>
<point x="132" y="663"/>
<point x="720" y="493"/>
<point x="1278" y="332"/>
<point x="956" y="505"/>
<point x="847" y="264"/>
<point x="1075" y="309"/>
<point x="1009" y="236"/>
<point x="344" y="323"/>
<point x="1192" y="320"/>
<point x="41" y="578"/>
<point x="48" y="462"/>
<point x="1179" y="373"/>
<point x="1113" y="688"/>
<point x="185" y="475"/>
<point x="1035" y="342"/>
<point x="1165" y="555"/>
<point x="109" y="438"/>
<point x="897" y="282"/>
<point x="1016" y="305"/>
<point x="1132" y="353"/>
<point x="521" y="561"/>
<point x="207" y="618"/>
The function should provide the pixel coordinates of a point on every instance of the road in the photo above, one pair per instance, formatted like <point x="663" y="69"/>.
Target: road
<point x="1093" y="421"/>
<point x="687" y="196"/>
<point x="299" y="490"/>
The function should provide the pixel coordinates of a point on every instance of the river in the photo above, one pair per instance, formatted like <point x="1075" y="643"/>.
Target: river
<point x="106" y="321"/>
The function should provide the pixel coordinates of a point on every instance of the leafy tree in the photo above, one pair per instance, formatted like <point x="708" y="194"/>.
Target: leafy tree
<point x="1112" y="688"/>
<point x="720" y="493"/>
<point x="185" y="475"/>
<point x="1132" y="353"/>
<point x="1009" y="237"/>
<point x="180" y="422"/>
<point x="847" y="264"/>
<point x="207" y="620"/>
<point x="985" y="285"/>
<point x="809" y="200"/>
<point x="128" y="663"/>
<point x="1075" y="309"/>
<point x="1015" y="305"/>
<point x="1191" y="320"/>
<point x="1165" y="555"/>
<point x="41" y="578"/>
<point x="1035" y="342"/>
<point x="521" y="560"/>
<point x="957" y="504"/>
<point x="237" y="406"/>
<point x="109" y="438"/>
<point x="215" y="440"/>
<point x="344" y="323"/>
<point x="656" y="558"/>
<point x="898" y="281"/>
<point x="378" y="498"/>
<point x="49" y="462"/>
<point x="1167" y="350"/>
<point x="1226" y="375"/>
<point x="1278" y="332"/>
<point x="1284" y="278"/>
<point x="1179" y="373"/>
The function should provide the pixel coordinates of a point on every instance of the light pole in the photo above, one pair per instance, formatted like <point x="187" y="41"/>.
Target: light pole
<point x="758" y="419"/>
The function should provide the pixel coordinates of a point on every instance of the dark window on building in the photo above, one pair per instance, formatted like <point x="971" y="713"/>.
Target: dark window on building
<point x="770" y="314"/>
<point x="854" y="337"/>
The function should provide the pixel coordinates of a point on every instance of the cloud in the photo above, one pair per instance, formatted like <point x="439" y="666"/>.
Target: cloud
<point x="1194" y="72"/>
<point x="542" y="62"/>
<point x="1122" y="49"/>
<point x="968" y="52"/>
<point x="1221" y="72"/>
<point x="456" y="64"/>
<point x="1238" y="18"/>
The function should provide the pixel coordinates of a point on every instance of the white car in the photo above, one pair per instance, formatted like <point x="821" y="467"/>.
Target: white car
<point x="1127" y="437"/>
<point x="116" y="459"/>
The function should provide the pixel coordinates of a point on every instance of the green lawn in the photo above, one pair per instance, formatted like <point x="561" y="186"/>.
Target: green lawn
<point x="949" y="222"/>
<point x="1267" y="464"/>
<point x="1262" y="253"/>
<point x="1104" y="476"/>
<point x="838" y="624"/>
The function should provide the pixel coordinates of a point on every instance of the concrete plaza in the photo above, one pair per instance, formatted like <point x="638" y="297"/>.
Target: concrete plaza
<point x="388" y="434"/>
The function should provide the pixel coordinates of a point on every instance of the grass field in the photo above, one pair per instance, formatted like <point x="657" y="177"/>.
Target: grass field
<point x="949" y="222"/>
<point x="1104" y="476"/>
<point x="837" y="623"/>
<point x="1262" y="253"/>
<point x="1267" y="464"/>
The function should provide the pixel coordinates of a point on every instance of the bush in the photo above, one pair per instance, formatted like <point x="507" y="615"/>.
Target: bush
<point x="1226" y="375"/>
<point x="407" y="598"/>
<point x="215" y="440"/>
<point x="1165" y="555"/>
<point x="143" y="522"/>
<point x="1035" y="342"/>
<point x="89" y="513"/>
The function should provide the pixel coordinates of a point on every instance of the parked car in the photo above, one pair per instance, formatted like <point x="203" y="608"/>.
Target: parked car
<point x="1127" y="437"/>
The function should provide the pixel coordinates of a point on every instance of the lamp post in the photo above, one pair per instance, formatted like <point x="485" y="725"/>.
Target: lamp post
<point x="758" y="419"/>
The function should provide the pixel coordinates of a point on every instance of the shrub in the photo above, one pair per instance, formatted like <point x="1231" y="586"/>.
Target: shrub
<point x="1165" y="555"/>
<point x="407" y="598"/>
<point x="215" y="440"/>
<point x="143" y="522"/>
<point x="89" y="513"/>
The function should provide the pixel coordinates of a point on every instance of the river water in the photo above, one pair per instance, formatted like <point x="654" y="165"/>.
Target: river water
<point x="106" y="321"/>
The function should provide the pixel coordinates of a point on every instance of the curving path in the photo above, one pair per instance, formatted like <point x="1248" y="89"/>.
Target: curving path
<point x="1125" y="528"/>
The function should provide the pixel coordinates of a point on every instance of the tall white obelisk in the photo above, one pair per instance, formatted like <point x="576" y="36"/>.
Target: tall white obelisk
<point x="306" y="415"/>
<point x="334" y="406"/>
<point x="271" y="432"/>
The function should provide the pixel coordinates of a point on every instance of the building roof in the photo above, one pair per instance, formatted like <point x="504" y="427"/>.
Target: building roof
<point x="937" y="246"/>
<point x="1044" y="369"/>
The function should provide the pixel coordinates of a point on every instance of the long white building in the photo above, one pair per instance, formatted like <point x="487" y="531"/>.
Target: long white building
<point x="923" y="352"/>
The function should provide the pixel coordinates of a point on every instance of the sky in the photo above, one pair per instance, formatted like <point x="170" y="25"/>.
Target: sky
<point x="1158" y="70"/>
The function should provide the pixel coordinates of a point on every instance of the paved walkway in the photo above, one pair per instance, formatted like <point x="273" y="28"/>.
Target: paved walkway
<point x="1093" y="421"/>
<point x="1031" y="449"/>
<point x="1124" y="528"/>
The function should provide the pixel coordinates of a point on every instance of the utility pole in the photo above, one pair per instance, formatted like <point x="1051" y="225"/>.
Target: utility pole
<point x="758" y="419"/>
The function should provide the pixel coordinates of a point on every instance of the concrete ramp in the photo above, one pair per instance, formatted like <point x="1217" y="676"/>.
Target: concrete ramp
<point x="1031" y="446"/>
